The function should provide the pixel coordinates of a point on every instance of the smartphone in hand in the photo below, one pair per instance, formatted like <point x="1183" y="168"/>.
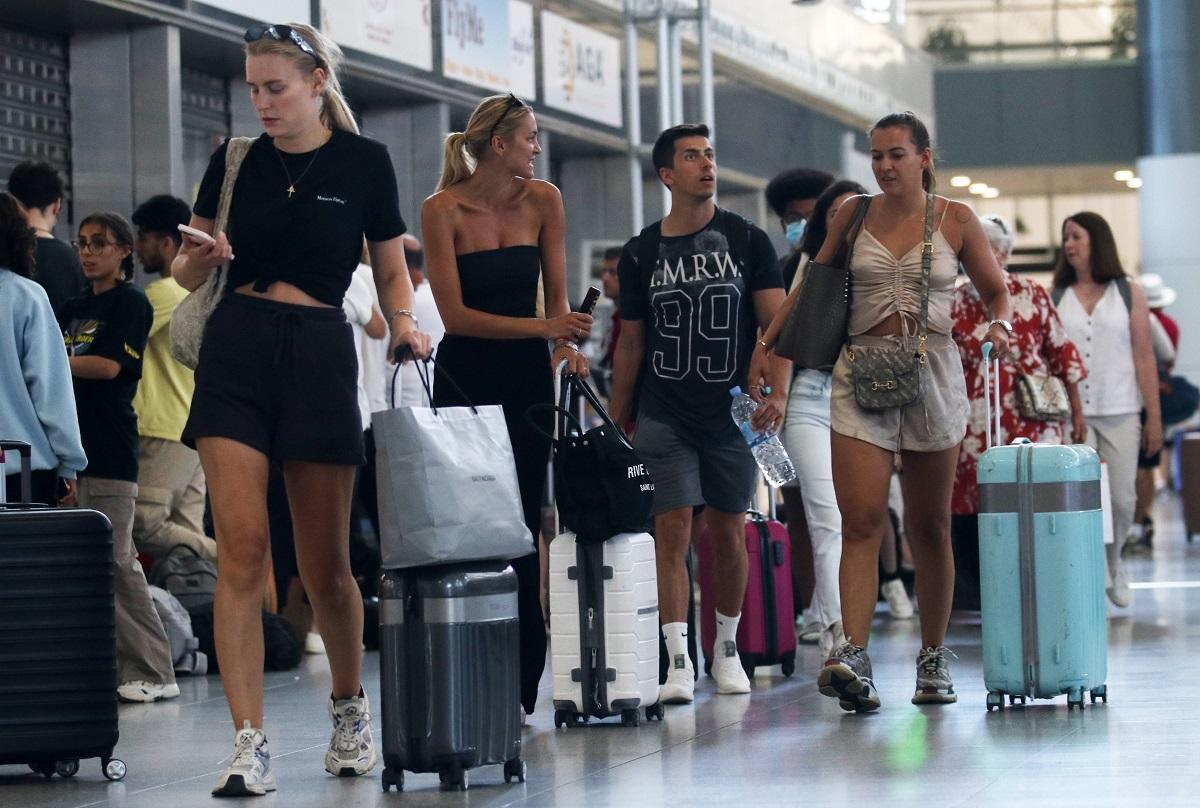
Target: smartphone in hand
<point x="198" y="236"/>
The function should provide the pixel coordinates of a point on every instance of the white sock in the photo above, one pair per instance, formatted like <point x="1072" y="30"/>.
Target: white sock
<point x="726" y="633"/>
<point x="675" y="635"/>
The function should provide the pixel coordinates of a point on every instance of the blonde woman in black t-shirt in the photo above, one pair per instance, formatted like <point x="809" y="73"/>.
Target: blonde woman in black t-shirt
<point x="277" y="381"/>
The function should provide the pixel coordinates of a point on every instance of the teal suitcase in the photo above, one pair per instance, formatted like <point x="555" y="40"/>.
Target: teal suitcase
<point x="1041" y="568"/>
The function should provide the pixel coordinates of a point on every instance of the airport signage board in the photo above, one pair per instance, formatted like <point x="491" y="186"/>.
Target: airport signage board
<point x="400" y="30"/>
<point x="478" y="44"/>
<point x="581" y="70"/>
<point x="266" y="10"/>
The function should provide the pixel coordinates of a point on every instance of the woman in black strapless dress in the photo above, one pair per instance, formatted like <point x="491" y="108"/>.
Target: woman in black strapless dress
<point x="491" y="231"/>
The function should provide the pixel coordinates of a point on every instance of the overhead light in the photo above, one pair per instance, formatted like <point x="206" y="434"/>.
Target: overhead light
<point x="1124" y="175"/>
<point x="961" y="181"/>
<point x="1135" y="182"/>
<point x="991" y="193"/>
<point x="978" y="187"/>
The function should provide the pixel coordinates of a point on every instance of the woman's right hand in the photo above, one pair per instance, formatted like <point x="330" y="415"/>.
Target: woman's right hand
<point x="203" y="257"/>
<point x="573" y="326"/>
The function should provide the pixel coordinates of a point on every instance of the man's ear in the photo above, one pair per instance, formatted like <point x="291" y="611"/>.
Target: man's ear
<point x="56" y="207"/>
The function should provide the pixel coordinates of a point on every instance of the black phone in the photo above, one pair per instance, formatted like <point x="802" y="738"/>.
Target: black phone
<point x="589" y="300"/>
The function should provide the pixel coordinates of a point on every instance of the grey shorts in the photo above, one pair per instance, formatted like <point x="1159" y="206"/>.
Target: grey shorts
<point x="718" y="471"/>
<point x="934" y="422"/>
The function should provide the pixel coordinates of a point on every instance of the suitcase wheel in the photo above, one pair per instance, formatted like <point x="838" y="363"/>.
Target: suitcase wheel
<point x="392" y="777"/>
<point x="568" y="718"/>
<point x="1015" y="700"/>
<point x="43" y="767"/>
<point x="748" y="668"/>
<point x="66" y="768"/>
<point x="514" y="769"/>
<point x="707" y="668"/>
<point x="1075" y="698"/>
<point x="113" y="768"/>
<point x="655" y="711"/>
<point x="789" y="665"/>
<point x="630" y="717"/>
<point x="1100" y="692"/>
<point x="453" y="777"/>
<point x="995" y="701"/>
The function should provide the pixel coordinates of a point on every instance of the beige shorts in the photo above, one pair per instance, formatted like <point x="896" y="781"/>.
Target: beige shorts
<point x="934" y="422"/>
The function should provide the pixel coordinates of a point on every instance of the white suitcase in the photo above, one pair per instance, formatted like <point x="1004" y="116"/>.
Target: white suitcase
<point x="604" y="629"/>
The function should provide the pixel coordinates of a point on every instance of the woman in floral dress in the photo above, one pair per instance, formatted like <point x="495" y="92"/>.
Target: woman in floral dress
<point x="1039" y="346"/>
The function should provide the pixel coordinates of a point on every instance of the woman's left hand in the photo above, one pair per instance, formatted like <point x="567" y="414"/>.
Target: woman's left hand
<point x="1152" y="436"/>
<point x="769" y="415"/>
<point x="1078" y="428"/>
<point x="998" y="336"/>
<point x="577" y="363"/>
<point x="420" y="343"/>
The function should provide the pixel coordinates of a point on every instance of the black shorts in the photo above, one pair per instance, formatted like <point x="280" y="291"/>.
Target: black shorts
<point x="280" y="378"/>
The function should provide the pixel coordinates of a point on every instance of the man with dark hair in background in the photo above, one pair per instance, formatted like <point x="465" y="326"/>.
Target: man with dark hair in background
<point x="39" y="189"/>
<point x="611" y="286"/>
<point x="792" y="195"/>
<point x="170" y="503"/>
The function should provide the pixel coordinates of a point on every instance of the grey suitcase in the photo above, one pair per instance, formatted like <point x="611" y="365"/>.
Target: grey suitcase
<point x="450" y="672"/>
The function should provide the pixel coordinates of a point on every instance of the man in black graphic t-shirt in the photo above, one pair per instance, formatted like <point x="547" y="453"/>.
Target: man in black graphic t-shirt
<point x="695" y="289"/>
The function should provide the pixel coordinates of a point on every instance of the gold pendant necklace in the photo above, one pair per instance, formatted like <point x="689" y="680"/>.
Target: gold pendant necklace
<point x="291" y="189"/>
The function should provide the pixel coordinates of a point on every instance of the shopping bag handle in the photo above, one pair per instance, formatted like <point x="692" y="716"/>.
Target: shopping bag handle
<point x="423" y="374"/>
<point x="564" y="400"/>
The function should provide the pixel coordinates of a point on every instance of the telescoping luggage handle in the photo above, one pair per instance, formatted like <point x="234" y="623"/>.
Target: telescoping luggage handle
<point x="8" y="448"/>
<point x="987" y="394"/>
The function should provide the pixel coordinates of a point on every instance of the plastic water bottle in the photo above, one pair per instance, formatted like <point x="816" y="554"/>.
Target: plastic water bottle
<point x="765" y="446"/>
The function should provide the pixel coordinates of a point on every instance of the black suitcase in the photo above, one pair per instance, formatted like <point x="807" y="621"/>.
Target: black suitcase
<point x="450" y="672"/>
<point x="58" y="651"/>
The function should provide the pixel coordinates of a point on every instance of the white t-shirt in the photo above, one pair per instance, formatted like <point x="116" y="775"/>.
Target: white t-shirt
<point x="373" y="375"/>
<point x="411" y="393"/>
<point x="358" y="305"/>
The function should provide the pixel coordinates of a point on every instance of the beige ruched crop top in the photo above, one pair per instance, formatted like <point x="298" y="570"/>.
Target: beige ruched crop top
<point x="881" y="284"/>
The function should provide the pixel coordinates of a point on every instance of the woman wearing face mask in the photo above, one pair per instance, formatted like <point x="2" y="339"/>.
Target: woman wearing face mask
<point x="887" y="315"/>
<point x="490" y="231"/>
<point x="106" y="329"/>
<point x="1106" y="315"/>
<point x="1039" y="347"/>
<point x="277" y="376"/>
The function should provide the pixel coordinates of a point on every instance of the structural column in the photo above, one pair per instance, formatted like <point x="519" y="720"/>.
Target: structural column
<point x="1169" y="78"/>
<point x="415" y="137"/>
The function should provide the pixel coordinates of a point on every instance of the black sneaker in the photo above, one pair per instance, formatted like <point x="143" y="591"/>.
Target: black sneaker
<point x="847" y="678"/>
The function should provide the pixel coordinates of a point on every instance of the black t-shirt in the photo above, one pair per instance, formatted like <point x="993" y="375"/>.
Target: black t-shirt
<point x="57" y="269"/>
<point x="787" y="267"/>
<point x="698" y="308"/>
<point x="313" y="239"/>
<point x="114" y="325"/>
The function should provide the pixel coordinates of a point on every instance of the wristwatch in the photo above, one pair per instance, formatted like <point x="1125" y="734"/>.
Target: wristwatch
<point x="1005" y="324"/>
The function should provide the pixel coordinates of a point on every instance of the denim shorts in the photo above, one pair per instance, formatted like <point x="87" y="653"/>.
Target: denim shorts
<point x="718" y="471"/>
<point x="936" y="421"/>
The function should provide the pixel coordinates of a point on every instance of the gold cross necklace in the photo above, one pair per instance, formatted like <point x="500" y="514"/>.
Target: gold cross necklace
<point x="291" y="189"/>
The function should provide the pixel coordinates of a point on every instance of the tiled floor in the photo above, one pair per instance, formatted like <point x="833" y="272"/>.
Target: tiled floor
<point x="785" y="745"/>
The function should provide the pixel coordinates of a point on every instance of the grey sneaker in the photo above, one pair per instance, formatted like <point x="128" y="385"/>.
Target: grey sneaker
<point x="934" y="685"/>
<point x="249" y="775"/>
<point x="846" y="677"/>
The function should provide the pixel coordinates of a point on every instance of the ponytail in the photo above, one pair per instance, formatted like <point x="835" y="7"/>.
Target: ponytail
<point x="457" y="164"/>
<point x="494" y="116"/>
<point x="335" y="111"/>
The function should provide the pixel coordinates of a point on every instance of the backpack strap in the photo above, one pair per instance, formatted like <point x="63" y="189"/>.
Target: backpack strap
<point x="1126" y="292"/>
<point x="647" y="249"/>
<point x="1056" y="295"/>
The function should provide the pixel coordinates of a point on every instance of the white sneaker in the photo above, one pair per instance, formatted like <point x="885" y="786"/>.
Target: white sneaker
<point x="351" y="749"/>
<point x="728" y="673"/>
<point x="249" y="775"/>
<point x="680" y="686"/>
<point x="809" y="633"/>
<point x="1119" y="593"/>
<point x="313" y="644"/>
<point x="897" y="599"/>
<point x="146" y="692"/>
<point x="831" y="637"/>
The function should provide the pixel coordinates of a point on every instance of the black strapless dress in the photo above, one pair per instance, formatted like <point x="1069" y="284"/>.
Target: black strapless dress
<point x="514" y="373"/>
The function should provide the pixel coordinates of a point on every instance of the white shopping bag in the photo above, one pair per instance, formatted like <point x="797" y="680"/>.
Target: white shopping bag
<point x="1106" y="504"/>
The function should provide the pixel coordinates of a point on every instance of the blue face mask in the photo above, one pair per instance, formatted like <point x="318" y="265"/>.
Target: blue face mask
<point x="795" y="233"/>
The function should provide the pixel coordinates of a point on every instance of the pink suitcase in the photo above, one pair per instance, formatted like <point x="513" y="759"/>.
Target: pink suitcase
<point x="766" y="634"/>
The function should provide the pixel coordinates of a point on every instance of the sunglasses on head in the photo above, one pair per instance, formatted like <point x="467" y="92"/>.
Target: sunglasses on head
<point x="512" y="103"/>
<point x="282" y="33"/>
